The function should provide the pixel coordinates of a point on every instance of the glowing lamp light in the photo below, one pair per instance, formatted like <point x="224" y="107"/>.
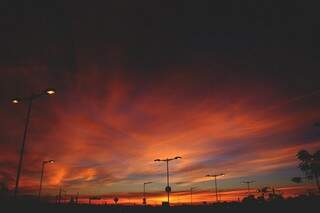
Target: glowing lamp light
<point x="15" y="101"/>
<point x="50" y="91"/>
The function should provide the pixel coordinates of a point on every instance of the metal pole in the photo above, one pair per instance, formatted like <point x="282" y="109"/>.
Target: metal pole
<point x="42" y="170"/>
<point x="77" y="198"/>
<point x="248" y="183"/>
<point x="60" y="190"/>
<point x="168" y="179"/>
<point x="144" y="190"/>
<point x="215" y="182"/>
<point x="191" y="196"/>
<point x="22" y="148"/>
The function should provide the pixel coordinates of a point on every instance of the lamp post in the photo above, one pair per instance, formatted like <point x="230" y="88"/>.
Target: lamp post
<point x="42" y="171"/>
<point x="144" y="193"/>
<point x="248" y="185"/>
<point x="168" y="188"/>
<point x="215" y="183"/>
<point x="29" y="100"/>
<point x="191" y="190"/>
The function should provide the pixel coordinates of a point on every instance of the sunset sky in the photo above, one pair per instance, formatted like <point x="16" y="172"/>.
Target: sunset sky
<point x="231" y="88"/>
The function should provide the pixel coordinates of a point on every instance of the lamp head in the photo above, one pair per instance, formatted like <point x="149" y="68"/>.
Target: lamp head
<point x="50" y="91"/>
<point x="147" y="182"/>
<point x="15" y="100"/>
<point x="178" y="157"/>
<point x="156" y="160"/>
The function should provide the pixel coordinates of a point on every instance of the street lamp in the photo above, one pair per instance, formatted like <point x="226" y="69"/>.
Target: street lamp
<point x="168" y="188"/>
<point x="29" y="100"/>
<point x="191" y="190"/>
<point x="248" y="185"/>
<point x="42" y="171"/>
<point x="144" y="193"/>
<point x="215" y="182"/>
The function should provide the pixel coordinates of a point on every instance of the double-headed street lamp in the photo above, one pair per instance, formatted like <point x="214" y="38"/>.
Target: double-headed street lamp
<point x="42" y="171"/>
<point x="248" y="184"/>
<point x="29" y="100"/>
<point x="215" y="183"/>
<point x="168" y="188"/>
<point x="144" y="200"/>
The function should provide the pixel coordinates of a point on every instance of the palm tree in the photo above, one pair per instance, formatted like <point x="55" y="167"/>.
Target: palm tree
<point x="263" y="190"/>
<point x="296" y="179"/>
<point x="310" y="165"/>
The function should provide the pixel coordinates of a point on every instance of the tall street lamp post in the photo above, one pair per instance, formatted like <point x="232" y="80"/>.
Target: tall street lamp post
<point x="168" y="188"/>
<point x="29" y="100"/>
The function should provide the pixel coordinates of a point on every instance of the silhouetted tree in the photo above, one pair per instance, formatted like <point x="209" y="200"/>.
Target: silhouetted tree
<point x="310" y="165"/>
<point x="296" y="179"/>
<point x="116" y="199"/>
<point x="263" y="190"/>
<point x="249" y="199"/>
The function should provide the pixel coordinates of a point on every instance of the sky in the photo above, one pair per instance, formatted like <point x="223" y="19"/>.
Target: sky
<point x="230" y="87"/>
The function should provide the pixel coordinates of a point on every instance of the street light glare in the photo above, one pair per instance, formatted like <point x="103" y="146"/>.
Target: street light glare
<point x="15" y="101"/>
<point x="50" y="91"/>
<point x="51" y="161"/>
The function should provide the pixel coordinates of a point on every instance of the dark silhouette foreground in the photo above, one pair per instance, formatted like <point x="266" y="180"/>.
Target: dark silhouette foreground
<point x="301" y="203"/>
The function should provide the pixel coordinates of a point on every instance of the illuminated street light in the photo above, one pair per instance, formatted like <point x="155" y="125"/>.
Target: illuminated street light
<point x="215" y="182"/>
<point x="42" y="171"/>
<point x="15" y="101"/>
<point x="29" y="100"/>
<point x="50" y="91"/>
<point x="144" y="193"/>
<point x="168" y="188"/>
<point x="248" y="185"/>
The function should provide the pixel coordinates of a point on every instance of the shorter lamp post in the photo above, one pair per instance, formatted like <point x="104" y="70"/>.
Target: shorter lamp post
<point x="215" y="183"/>
<point x="144" y="193"/>
<point x="42" y="171"/>
<point x="191" y="190"/>
<point x="248" y="185"/>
